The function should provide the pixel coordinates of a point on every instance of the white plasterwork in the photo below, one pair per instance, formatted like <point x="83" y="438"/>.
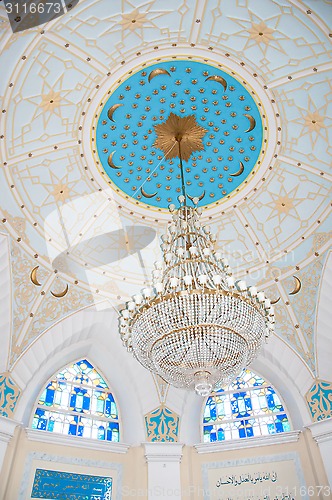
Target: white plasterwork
<point x="7" y="428"/>
<point x="235" y="444"/>
<point x="76" y="441"/>
<point x="163" y="452"/>
<point x="321" y="431"/>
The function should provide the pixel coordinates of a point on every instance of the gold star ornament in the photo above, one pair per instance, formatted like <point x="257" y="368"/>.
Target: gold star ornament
<point x="176" y="130"/>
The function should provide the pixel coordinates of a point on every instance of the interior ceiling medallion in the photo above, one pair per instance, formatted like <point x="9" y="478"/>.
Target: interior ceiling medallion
<point x="220" y="123"/>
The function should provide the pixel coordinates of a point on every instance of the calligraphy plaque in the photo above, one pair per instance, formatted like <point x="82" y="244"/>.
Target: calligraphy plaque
<point x="261" y="478"/>
<point x="51" y="484"/>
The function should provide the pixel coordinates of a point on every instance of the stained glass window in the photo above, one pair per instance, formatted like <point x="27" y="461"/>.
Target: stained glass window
<point x="248" y="407"/>
<point x="77" y="402"/>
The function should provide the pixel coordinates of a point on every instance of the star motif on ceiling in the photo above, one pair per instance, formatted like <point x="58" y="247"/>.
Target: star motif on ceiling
<point x="133" y="21"/>
<point x="59" y="189"/>
<point x="136" y="19"/>
<point x="61" y="192"/>
<point x="284" y="204"/>
<point x="261" y="33"/>
<point x="313" y="122"/>
<point x="50" y="101"/>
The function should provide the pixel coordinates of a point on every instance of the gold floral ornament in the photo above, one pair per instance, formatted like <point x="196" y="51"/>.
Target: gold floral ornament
<point x="176" y="130"/>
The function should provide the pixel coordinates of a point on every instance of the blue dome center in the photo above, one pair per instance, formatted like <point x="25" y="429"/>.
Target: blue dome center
<point x="125" y="133"/>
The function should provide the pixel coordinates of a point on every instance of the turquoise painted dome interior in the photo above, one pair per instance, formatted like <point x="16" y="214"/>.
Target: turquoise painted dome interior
<point x="125" y="133"/>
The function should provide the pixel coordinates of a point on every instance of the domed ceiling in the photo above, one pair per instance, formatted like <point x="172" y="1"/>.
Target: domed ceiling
<point x="84" y="185"/>
<point x="224" y="109"/>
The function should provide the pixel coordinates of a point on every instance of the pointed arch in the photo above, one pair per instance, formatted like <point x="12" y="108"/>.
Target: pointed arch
<point x="77" y="401"/>
<point x="247" y="407"/>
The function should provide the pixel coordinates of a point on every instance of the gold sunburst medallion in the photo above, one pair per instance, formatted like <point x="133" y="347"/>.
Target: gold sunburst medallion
<point x="178" y="129"/>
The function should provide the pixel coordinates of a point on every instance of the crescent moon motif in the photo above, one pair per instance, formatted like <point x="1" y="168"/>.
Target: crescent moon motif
<point x="110" y="161"/>
<point x="252" y="122"/>
<point x="219" y="79"/>
<point x="240" y="171"/>
<point x="157" y="72"/>
<point x="275" y="301"/>
<point x="147" y="195"/>
<point x="199" y="197"/>
<point x="33" y="276"/>
<point x="61" y="294"/>
<point x="297" y="287"/>
<point x="112" y="109"/>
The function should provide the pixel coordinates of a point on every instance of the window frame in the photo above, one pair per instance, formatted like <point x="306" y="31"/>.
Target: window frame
<point x="73" y="413"/>
<point x="268" y="384"/>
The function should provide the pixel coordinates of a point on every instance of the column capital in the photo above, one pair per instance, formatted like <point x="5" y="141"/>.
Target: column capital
<point x="7" y="428"/>
<point x="163" y="452"/>
<point x="322" y="430"/>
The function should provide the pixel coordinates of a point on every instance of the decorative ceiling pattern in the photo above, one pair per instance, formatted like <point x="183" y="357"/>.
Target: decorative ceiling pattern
<point x="128" y="128"/>
<point x="61" y="213"/>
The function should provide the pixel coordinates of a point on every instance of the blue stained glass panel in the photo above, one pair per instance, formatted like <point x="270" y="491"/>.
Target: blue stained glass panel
<point x="221" y="434"/>
<point x="80" y="390"/>
<point x="248" y="396"/>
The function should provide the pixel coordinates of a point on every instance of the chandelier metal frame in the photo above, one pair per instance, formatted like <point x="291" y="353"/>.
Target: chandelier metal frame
<point x="197" y="327"/>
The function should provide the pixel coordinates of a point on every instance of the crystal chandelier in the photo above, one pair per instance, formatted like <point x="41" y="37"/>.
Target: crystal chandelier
<point x="197" y="327"/>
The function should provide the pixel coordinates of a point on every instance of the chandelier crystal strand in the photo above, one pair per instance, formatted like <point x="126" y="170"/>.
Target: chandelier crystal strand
<point x="196" y="327"/>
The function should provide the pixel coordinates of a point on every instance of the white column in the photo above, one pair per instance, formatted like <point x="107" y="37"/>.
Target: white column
<point x="322" y="434"/>
<point x="163" y="461"/>
<point x="7" y="429"/>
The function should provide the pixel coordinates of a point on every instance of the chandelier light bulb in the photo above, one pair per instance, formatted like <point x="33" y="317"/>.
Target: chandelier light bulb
<point x="174" y="282"/>
<point x="242" y="285"/>
<point x="188" y="279"/>
<point x="253" y="291"/>
<point x="202" y="279"/>
<point x="159" y="287"/>
<point x="230" y="281"/>
<point x="138" y="299"/>
<point x="193" y="250"/>
<point x="260" y="296"/>
<point x="217" y="279"/>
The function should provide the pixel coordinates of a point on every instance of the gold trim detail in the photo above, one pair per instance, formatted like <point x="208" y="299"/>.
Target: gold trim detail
<point x="157" y="72"/>
<point x="252" y="122"/>
<point x="178" y="129"/>
<point x="111" y="163"/>
<point x="218" y="79"/>
<point x="297" y="287"/>
<point x="240" y="171"/>
<point x="112" y="109"/>
<point x="147" y="195"/>
<point x="33" y="276"/>
<point x="61" y="294"/>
